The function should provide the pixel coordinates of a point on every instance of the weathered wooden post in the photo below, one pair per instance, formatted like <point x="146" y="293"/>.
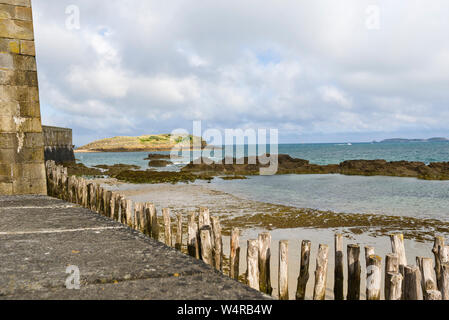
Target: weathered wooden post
<point x="123" y="210"/>
<point x="92" y="196"/>
<point x="134" y="216"/>
<point x="167" y="226"/>
<point x="428" y="281"/>
<point x="69" y="189"/>
<point x="369" y="251"/>
<point x="148" y="220"/>
<point x="218" y="243"/>
<point x="438" y="243"/>
<point x="338" y="272"/>
<point x="397" y="246"/>
<point x="391" y="265"/>
<point x="178" y="243"/>
<point x="394" y="280"/>
<point x="204" y="218"/>
<point x="100" y="199"/>
<point x="319" y="291"/>
<point x="264" y="262"/>
<point x="129" y="213"/>
<point x="373" y="277"/>
<point x="86" y="203"/>
<point x="445" y="281"/>
<point x="432" y="295"/>
<point x="112" y="206"/>
<point x="412" y="282"/>
<point x="252" y="259"/>
<point x="107" y="200"/>
<point x="121" y="205"/>
<point x="234" y="255"/>
<point x="192" y="240"/>
<point x="142" y="219"/>
<point x="154" y="223"/>
<point x="115" y="213"/>
<point x="283" y="270"/>
<point x="303" y="270"/>
<point x="206" y="245"/>
<point x="354" y="270"/>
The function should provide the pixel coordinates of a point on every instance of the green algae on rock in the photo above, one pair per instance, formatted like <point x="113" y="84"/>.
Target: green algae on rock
<point x="159" y="163"/>
<point x="288" y="165"/>
<point x="153" y="177"/>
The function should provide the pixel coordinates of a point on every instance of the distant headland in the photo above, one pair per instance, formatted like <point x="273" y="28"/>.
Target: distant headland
<point x="160" y="142"/>
<point x="401" y="140"/>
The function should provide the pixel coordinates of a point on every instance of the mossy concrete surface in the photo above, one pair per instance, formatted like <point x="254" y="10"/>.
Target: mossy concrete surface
<point x="41" y="236"/>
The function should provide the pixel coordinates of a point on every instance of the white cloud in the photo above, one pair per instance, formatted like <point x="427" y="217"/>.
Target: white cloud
<point x="332" y="94"/>
<point x="308" y="67"/>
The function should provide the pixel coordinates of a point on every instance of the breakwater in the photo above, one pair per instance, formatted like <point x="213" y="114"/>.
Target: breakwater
<point x="58" y="145"/>
<point x="199" y="235"/>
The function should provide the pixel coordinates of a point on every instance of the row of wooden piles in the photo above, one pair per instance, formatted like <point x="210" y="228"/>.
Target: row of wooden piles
<point x="428" y="279"/>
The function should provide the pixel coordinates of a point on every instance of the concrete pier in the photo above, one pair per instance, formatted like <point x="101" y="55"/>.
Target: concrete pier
<point x="41" y="236"/>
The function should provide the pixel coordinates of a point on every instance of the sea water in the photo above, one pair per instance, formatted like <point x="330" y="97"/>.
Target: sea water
<point x="338" y="193"/>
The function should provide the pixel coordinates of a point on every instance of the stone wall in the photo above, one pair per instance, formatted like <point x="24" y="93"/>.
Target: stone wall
<point x="22" y="169"/>
<point x="58" y="144"/>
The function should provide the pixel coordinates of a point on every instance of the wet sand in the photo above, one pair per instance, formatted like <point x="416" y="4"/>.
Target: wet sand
<point x="293" y="224"/>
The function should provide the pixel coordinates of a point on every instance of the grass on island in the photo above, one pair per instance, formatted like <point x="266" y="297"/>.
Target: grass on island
<point x="158" y="142"/>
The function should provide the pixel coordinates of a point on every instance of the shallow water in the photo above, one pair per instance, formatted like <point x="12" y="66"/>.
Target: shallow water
<point x="352" y="194"/>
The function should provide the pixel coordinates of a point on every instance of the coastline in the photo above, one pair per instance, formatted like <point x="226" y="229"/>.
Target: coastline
<point x="287" y="223"/>
<point x="249" y="214"/>
<point x="129" y="150"/>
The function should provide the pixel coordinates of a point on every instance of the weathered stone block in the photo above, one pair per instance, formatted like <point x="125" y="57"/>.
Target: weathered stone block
<point x="30" y="155"/>
<point x="10" y="109"/>
<point x="6" y="188"/>
<point x="10" y="45"/>
<point x="33" y="140"/>
<point x="7" y="141"/>
<point x="5" y="170"/>
<point x="19" y="93"/>
<point x="27" y="48"/>
<point x="39" y="186"/>
<point x="23" y="13"/>
<point x="6" y="61"/>
<point x="18" y="78"/>
<point x="25" y="63"/>
<point x="8" y="155"/>
<point x="23" y="3"/>
<point x="28" y="171"/>
<point x="7" y="11"/>
<point x="29" y="109"/>
<point x="7" y="124"/>
<point x="31" y="125"/>
<point x="16" y="29"/>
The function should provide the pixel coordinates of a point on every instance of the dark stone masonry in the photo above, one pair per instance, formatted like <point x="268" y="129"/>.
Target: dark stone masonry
<point x="58" y="144"/>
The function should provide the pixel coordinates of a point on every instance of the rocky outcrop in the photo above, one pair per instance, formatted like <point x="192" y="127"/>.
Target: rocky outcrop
<point x="289" y="165"/>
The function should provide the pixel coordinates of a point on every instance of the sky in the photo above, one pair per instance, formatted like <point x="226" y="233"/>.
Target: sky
<point x="318" y="71"/>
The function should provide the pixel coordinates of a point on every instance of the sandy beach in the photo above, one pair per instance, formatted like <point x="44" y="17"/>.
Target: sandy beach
<point x="289" y="223"/>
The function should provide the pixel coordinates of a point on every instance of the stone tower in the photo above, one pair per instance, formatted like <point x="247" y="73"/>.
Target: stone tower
<point x="22" y="169"/>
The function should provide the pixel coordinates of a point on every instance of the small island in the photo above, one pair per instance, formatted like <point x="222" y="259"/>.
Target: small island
<point x="401" y="140"/>
<point x="160" y="142"/>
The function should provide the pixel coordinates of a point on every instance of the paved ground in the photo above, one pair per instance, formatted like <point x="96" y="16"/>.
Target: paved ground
<point x="41" y="236"/>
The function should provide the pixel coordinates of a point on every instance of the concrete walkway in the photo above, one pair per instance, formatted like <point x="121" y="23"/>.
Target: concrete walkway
<point x="41" y="236"/>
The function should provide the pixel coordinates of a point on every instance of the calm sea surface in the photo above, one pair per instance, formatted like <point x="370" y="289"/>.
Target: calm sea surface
<point x="356" y="194"/>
